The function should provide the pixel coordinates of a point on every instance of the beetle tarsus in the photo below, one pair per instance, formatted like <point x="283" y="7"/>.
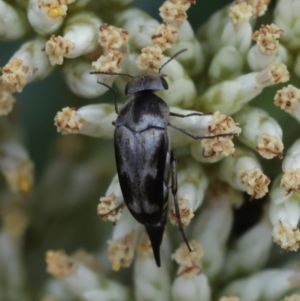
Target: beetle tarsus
<point x="188" y="115"/>
<point x="174" y="192"/>
<point x="200" y="137"/>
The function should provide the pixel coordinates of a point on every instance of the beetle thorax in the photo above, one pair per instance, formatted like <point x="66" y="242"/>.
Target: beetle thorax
<point x="142" y="111"/>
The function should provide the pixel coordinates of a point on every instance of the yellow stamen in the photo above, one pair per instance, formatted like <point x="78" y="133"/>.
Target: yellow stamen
<point x="116" y="266"/>
<point x="24" y="185"/>
<point x="55" y="12"/>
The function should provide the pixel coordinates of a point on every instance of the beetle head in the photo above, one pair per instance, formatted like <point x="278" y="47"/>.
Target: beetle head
<point x="143" y="82"/>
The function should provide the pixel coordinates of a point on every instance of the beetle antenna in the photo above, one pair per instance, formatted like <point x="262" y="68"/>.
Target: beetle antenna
<point x="111" y="73"/>
<point x="171" y="58"/>
<point x="115" y="95"/>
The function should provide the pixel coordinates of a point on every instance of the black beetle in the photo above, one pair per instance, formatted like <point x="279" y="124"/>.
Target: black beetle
<point x="143" y="155"/>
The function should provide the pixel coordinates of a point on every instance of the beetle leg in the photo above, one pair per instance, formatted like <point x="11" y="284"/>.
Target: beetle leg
<point x="188" y="115"/>
<point x="174" y="192"/>
<point x="199" y="137"/>
<point x="115" y="95"/>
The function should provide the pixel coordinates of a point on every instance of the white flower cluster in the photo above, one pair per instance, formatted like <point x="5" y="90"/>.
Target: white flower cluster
<point x="217" y="75"/>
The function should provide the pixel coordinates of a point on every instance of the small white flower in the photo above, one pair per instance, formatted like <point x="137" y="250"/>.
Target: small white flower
<point x="235" y="41"/>
<point x="290" y="180"/>
<point x="13" y="23"/>
<point x="151" y="58"/>
<point x="270" y="284"/>
<point x="284" y="212"/>
<point x="238" y="31"/>
<point x="267" y="38"/>
<point x="230" y="96"/>
<point x="39" y="19"/>
<point x="266" y="48"/>
<point x="212" y="227"/>
<point x="28" y="64"/>
<point x="140" y="26"/>
<point x="81" y="82"/>
<point x="54" y="8"/>
<point x="193" y="59"/>
<point x="259" y="7"/>
<point x="11" y="265"/>
<point x="288" y="99"/>
<point x="190" y="283"/>
<point x="111" y="206"/>
<point x="287" y="18"/>
<point x="165" y="36"/>
<point x="175" y="11"/>
<point x="110" y="62"/>
<point x="150" y="280"/>
<point x="111" y="37"/>
<point x="56" y="290"/>
<point x="81" y="279"/>
<point x="250" y="252"/>
<point x="91" y="120"/>
<point x="260" y="131"/>
<point x="226" y="64"/>
<point x="80" y="36"/>
<point x="211" y="32"/>
<point x="240" y="12"/>
<point x="244" y="173"/>
<point x="122" y="246"/>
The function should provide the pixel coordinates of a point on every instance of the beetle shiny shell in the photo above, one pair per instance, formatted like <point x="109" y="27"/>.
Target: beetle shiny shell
<point x="143" y="156"/>
<point x="142" y="150"/>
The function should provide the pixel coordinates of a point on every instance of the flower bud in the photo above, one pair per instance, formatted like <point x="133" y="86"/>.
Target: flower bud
<point x="260" y="131"/>
<point x="244" y="173"/>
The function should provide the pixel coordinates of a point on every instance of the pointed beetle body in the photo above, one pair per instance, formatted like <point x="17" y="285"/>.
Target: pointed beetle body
<point x="142" y="150"/>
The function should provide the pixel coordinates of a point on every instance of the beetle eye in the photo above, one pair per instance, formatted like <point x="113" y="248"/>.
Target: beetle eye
<point x="164" y="83"/>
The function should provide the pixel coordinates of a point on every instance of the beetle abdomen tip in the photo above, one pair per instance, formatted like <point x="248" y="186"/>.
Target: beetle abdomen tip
<point x="155" y="233"/>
